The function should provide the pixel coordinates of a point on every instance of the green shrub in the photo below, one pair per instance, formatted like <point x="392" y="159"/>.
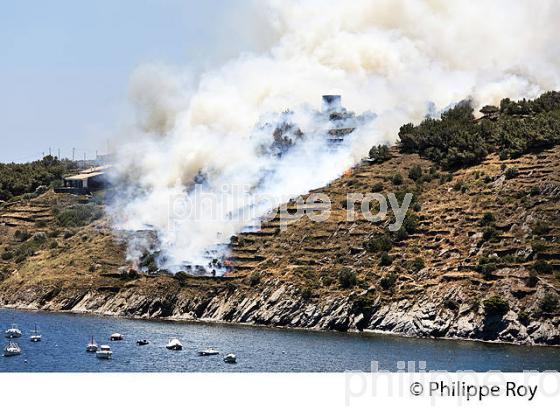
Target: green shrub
<point x="379" y="244"/>
<point x="401" y="234"/>
<point x="21" y="236"/>
<point x="490" y="234"/>
<point x="388" y="282"/>
<point x="418" y="264"/>
<point x="397" y="179"/>
<point x="385" y="259"/>
<point x="377" y="187"/>
<point x="451" y="304"/>
<point x="496" y="305"/>
<point x="541" y="228"/>
<point x="511" y="173"/>
<point x="460" y="186"/>
<point x="549" y="303"/>
<point x="182" y="277"/>
<point x="254" y="279"/>
<point x="535" y="190"/>
<point x="7" y="255"/>
<point x="41" y="224"/>
<point x="78" y="215"/>
<point x="487" y="219"/>
<point x="380" y="153"/>
<point x="347" y="278"/>
<point x="539" y="246"/>
<point x="445" y="178"/>
<point x="524" y="317"/>
<point x="53" y="233"/>
<point x="410" y="223"/>
<point x="487" y="265"/>
<point x="532" y="280"/>
<point x="306" y="293"/>
<point x="415" y="173"/>
<point x="361" y="303"/>
<point x="542" y="267"/>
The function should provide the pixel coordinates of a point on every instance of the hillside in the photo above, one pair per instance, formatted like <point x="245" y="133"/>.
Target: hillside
<point x="480" y="259"/>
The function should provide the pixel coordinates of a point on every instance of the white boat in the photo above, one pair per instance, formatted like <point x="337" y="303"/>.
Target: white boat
<point x="35" y="335"/>
<point x="13" y="332"/>
<point x="230" y="358"/>
<point x="208" y="352"/>
<point x="142" y="342"/>
<point x="174" y="344"/>
<point x="116" y="336"/>
<point x="92" y="346"/>
<point x="12" y="349"/>
<point x="104" y="352"/>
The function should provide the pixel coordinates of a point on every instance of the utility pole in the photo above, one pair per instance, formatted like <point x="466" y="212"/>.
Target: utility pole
<point x="73" y="152"/>
<point x="59" y="153"/>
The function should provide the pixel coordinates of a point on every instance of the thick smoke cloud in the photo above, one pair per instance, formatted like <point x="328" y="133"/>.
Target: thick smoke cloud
<point x="399" y="59"/>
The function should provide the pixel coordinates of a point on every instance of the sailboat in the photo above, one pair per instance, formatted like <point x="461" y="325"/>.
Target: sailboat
<point x="35" y="335"/>
<point x="174" y="344"/>
<point x="13" y="332"/>
<point x="92" y="346"/>
<point x="12" y="349"/>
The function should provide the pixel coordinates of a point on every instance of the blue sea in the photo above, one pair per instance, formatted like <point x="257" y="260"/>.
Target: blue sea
<point x="258" y="349"/>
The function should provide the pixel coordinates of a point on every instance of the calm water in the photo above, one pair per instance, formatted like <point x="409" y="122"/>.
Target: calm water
<point x="65" y="337"/>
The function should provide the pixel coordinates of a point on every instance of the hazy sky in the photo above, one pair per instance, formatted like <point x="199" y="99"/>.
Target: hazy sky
<point x="65" y="64"/>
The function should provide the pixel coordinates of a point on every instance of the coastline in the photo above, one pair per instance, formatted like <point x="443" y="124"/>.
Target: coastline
<point x="217" y="322"/>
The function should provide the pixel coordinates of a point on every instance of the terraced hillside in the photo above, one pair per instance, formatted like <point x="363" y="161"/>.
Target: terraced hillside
<point x="452" y="218"/>
<point x="58" y="240"/>
<point x="478" y="257"/>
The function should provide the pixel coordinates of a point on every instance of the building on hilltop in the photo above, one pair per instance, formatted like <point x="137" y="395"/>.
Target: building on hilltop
<point x="86" y="182"/>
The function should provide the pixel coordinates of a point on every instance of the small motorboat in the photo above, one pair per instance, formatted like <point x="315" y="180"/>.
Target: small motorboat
<point x="92" y="346"/>
<point x="208" y="352"/>
<point x="230" y="358"/>
<point x="35" y="335"/>
<point x="12" y="349"/>
<point x="142" y="342"/>
<point x="174" y="344"/>
<point x="13" y="332"/>
<point x="104" y="352"/>
<point x="115" y="337"/>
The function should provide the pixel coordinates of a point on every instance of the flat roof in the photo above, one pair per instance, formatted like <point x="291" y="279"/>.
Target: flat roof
<point x="80" y="177"/>
<point x="88" y="173"/>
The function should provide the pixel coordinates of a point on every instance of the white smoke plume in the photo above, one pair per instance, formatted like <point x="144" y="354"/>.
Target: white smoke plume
<point x="395" y="58"/>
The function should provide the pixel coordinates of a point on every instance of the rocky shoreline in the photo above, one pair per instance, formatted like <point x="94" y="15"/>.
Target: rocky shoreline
<point x="279" y="304"/>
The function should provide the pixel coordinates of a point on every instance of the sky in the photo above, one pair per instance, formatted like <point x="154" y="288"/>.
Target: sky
<point x="65" y="65"/>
